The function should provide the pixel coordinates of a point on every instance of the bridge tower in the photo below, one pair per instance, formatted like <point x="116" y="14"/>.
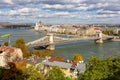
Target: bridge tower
<point x="51" y="45"/>
<point x="100" y="39"/>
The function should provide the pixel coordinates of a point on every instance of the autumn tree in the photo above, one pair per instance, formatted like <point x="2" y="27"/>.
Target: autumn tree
<point x="18" y="71"/>
<point x="42" y="53"/>
<point x="77" y="57"/>
<point x="59" y="58"/>
<point x="20" y="65"/>
<point x="20" y="43"/>
<point x="12" y="73"/>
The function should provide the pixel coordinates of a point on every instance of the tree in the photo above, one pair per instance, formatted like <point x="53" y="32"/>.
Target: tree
<point x="56" y="74"/>
<point x="6" y="44"/>
<point x="77" y="58"/>
<point x="42" y="53"/>
<point x="20" y="65"/>
<point x="119" y="34"/>
<point x="102" y="69"/>
<point x="30" y="73"/>
<point x="108" y="32"/>
<point x="1" y="72"/>
<point x="20" y="43"/>
<point x="18" y="72"/>
<point x="12" y="73"/>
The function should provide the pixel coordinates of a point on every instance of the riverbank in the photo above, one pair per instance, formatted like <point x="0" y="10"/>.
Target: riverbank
<point x="116" y="40"/>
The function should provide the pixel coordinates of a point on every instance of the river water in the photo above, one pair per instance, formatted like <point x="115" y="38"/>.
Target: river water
<point x="67" y="50"/>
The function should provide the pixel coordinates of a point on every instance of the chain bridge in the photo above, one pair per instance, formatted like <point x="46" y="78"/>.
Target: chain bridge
<point x="49" y="41"/>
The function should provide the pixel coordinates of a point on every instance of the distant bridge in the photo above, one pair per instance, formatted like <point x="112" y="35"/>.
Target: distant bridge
<point x="12" y="26"/>
<point x="49" y="41"/>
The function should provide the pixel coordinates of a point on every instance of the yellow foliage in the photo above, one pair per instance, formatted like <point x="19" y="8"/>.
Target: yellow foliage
<point x="20" y="65"/>
<point x="77" y="58"/>
<point x="20" y="43"/>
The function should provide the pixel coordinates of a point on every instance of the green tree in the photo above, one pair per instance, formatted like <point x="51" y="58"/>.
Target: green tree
<point x="1" y="72"/>
<point x="56" y="74"/>
<point x="108" y="32"/>
<point x="31" y="73"/>
<point x="102" y="69"/>
<point x="6" y="44"/>
<point x="115" y="69"/>
<point x="77" y="57"/>
<point x="119" y="34"/>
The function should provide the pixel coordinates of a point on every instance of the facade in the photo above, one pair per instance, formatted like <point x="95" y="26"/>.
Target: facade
<point x="90" y="31"/>
<point x="79" y="30"/>
<point x="38" y="25"/>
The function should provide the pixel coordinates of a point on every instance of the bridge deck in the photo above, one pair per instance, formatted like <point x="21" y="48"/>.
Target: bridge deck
<point x="46" y="40"/>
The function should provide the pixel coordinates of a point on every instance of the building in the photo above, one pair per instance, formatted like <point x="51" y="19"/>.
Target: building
<point x="38" y="25"/>
<point x="70" y="68"/>
<point x="9" y="54"/>
<point x="90" y="31"/>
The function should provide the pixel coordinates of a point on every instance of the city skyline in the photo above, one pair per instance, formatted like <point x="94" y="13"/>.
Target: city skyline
<point x="60" y="12"/>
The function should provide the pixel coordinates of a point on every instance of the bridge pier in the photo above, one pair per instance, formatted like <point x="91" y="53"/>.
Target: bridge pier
<point x="100" y="40"/>
<point x="51" y="46"/>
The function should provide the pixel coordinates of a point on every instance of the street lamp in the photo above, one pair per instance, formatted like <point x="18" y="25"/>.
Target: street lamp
<point x="7" y="35"/>
<point x="1" y="42"/>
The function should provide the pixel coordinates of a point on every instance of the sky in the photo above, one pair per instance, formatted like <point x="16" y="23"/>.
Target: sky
<point x="60" y="11"/>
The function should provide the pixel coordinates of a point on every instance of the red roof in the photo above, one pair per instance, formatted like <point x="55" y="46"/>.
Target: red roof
<point x="54" y="59"/>
<point x="9" y="50"/>
<point x="97" y="28"/>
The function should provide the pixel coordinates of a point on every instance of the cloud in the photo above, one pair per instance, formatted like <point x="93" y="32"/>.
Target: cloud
<point x="70" y="10"/>
<point x="8" y="1"/>
<point x="101" y="11"/>
<point x="61" y="13"/>
<point x="58" y="6"/>
<point x="22" y="11"/>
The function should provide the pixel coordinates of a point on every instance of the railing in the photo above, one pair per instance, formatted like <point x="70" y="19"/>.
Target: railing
<point x="36" y="41"/>
<point x="56" y="39"/>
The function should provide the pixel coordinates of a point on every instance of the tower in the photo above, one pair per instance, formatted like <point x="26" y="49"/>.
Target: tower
<point x="36" y="27"/>
<point x="100" y="39"/>
<point x="51" y="46"/>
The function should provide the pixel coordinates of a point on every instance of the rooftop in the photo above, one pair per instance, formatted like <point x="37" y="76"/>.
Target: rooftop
<point x="9" y="50"/>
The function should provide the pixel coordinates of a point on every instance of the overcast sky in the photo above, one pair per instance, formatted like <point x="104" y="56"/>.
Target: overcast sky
<point x="60" y="11"/>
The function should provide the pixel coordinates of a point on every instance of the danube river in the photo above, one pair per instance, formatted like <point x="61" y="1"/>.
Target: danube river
<point x="67" y="50"/>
